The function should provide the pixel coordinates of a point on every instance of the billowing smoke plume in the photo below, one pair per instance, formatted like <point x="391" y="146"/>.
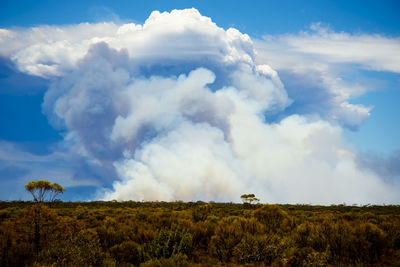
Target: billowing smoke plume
<point x="178" y="107"/>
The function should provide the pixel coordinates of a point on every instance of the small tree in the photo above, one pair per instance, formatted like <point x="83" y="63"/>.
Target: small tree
<point x="249" y="198"/>
<point x="41" y="189"/>
<point x="55" y="191"/>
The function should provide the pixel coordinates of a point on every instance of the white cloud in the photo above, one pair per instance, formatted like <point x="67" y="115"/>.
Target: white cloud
<point x="321" y="60"/>
<point x="372" y="52"/>
<point x="51" y="50"/>
<point x="176" y="106"/>
<point x="178" y="35"/>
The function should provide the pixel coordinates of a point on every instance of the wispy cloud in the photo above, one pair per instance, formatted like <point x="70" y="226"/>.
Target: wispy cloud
<point x="322" y="45"/>
<point x="316" y="64"/>
<point x="17" y="167"/>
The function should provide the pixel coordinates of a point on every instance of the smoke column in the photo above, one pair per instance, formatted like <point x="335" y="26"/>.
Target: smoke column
<point x="178" y="109"/>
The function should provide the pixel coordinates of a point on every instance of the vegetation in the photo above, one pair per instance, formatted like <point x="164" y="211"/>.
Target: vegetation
<point x="197" y="234"/>
<point x="249" y="199"/>
<point x="44" y="190"/>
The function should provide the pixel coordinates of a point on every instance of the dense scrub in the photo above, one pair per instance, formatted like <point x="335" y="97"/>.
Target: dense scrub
<point x="197" y="234"/>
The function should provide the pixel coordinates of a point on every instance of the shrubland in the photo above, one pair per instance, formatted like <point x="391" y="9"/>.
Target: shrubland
<point x="197" y="234"/>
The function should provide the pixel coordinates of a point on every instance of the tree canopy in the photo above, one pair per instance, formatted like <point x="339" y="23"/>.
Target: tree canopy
<point x="249" y="198"/>
<point x="42" y="190"/>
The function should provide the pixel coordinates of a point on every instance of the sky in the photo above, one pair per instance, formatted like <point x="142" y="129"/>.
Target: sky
<point x="295" y="101"/>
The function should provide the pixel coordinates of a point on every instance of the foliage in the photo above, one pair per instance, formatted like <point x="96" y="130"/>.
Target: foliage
<point x="197" y="234"/>
<point x="42" y="189"/>
<point x="249" y="198"/>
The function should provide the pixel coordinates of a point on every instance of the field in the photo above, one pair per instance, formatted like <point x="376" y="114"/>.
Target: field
<point x="197" y="234"/>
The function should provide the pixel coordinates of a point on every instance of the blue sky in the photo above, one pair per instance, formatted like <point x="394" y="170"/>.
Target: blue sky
<point x="358" y="94"/>
<point x="257" y="18"/>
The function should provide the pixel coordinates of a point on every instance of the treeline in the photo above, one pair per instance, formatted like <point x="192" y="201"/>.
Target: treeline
<point x="197" y="234"/>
